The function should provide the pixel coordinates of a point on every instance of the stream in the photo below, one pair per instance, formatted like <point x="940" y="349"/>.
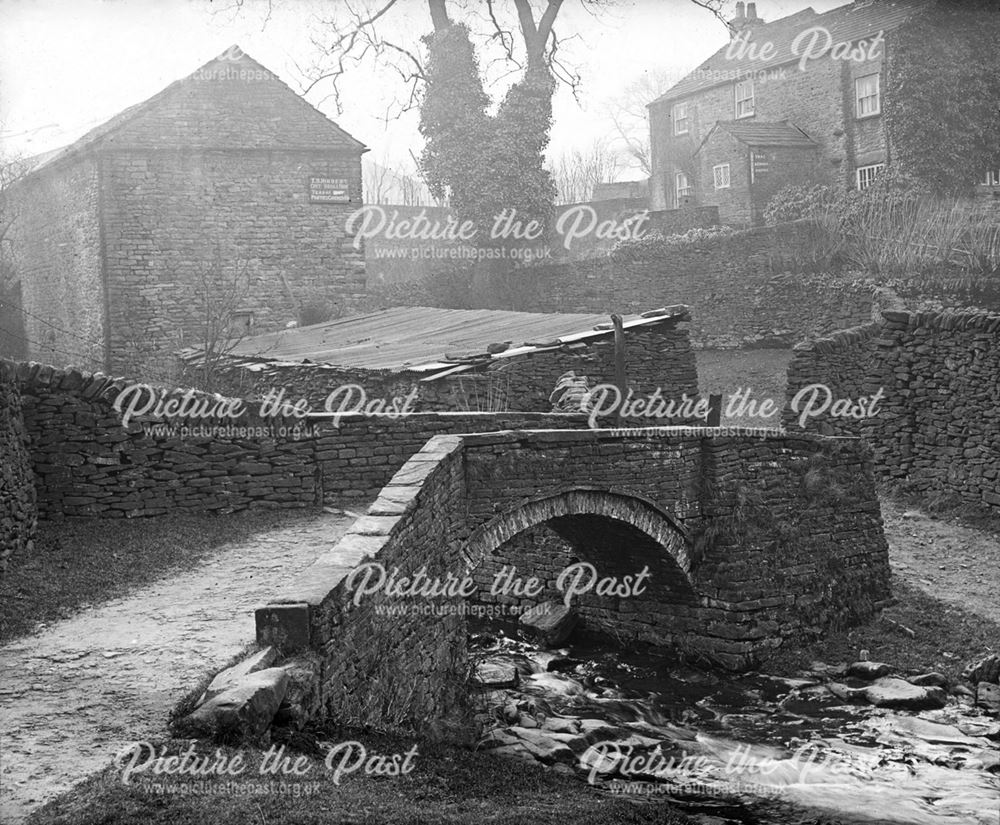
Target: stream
<point x="736" y="748"/>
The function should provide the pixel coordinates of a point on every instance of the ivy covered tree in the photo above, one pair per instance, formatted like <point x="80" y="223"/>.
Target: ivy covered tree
<point x="483" y="163"/>
<point x="942" y="96"/>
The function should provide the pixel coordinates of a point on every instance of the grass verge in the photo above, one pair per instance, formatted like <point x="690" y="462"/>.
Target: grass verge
<point x="81" y="561"/>
<point x="945" y="638"/>
<point x="445" y="785"/>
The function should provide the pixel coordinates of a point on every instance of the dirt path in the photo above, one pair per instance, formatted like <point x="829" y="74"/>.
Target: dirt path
<point x="72" y="696"/>
<point x="956" y="564"/>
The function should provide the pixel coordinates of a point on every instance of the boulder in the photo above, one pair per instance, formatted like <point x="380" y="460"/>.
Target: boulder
<point x="518" y="751"/>
<point x="495" y="674"/>
<point x="496" y="738"/>
<point x="986" y="669"/>
<point x="558" y="724"/>
<point x="597" y="730"/>
<point x="550" y="747"/>
<point x="932" y="679"/>
<point x="869" y="670"/>
<point x="549" y="623"/>
<point x="896" y="693"/>
<point x="988" y="696"/>
<point x="303" y="699"/>
<point x="231" y="676"/>
<point x="244" y="711"/>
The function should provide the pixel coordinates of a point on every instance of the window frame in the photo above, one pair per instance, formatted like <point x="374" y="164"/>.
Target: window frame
<point x="686" y="120"/>
<point x="678" y="193"/>
<point x="727" y="172"/>
<point x="991" y="178"/>
<point x="738" y="100"/>
<point x="878" y="167"/>
<point x="858" y="97"/>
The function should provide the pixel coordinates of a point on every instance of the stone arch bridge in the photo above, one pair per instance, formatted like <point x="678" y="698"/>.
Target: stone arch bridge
<point x="747" y="542"/>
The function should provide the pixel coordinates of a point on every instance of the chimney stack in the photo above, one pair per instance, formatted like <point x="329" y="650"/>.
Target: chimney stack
<point x="746" y="17"/>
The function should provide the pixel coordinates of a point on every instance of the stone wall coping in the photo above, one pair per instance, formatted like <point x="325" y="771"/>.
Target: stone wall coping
<point x="841" y="339"/>
<point x="674" y="434"/>
<point x="985" y="321"/>
<point x="372" y="531"/>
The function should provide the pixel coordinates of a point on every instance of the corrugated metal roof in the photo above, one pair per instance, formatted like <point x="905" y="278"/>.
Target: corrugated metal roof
<point x="430" y="339"/>
<point x="764" y="134"/>
<point x="856" y="21"/>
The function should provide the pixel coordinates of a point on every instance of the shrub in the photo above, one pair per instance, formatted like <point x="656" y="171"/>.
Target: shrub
<point x="796" y="202"/>
<point x="654" y="243"/>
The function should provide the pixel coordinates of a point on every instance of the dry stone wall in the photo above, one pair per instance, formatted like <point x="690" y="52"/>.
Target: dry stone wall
<point x="18" y="513"/>
<point x="87" y="464"/>
<point x="937" y="425"/>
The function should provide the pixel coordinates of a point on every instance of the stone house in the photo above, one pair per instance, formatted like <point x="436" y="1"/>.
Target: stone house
<point x="219" y="205"/>
<point x="794" y="101"/>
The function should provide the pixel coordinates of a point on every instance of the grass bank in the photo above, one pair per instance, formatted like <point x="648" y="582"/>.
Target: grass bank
<point x="80" y="562"/>
<point x="445" y="786"/>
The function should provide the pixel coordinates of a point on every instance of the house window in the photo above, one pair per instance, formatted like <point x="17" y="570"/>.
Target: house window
<point x="681" y="121"/>
<point x="682" y="188"/>
<point x="992" y="178"/>
<point x="867" y="93"/>
<point x="720" y="174"/>
<point x="744" y="98"/>
<point x="867" y="175"/>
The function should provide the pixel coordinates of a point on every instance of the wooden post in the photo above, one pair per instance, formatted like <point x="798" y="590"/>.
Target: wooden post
<point x="714" y="410"/>
<point x="621" y="376"/>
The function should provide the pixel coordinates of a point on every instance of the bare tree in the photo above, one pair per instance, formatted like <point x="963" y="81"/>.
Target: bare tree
<point x="221" y="289"/>
<point x="394" y="181"/>
<point x="628" y="113"/>
<point x="577" y="172"/>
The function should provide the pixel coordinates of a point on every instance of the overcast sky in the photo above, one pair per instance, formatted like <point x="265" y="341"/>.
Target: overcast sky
<point x="68" y="65"/>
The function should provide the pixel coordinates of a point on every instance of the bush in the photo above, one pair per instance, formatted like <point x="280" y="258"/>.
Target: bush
<point x="654" y="243"/>
<point x="796" y="202"/>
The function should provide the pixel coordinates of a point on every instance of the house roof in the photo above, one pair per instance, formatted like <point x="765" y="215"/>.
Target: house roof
<point x="430" y="339"/>
<point x="187" y="109"/>
<point x="781" y="134"/>
<point x="857" y="21"/>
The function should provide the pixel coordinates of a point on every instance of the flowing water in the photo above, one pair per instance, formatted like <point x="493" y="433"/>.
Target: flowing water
<point x="753" y="748"/>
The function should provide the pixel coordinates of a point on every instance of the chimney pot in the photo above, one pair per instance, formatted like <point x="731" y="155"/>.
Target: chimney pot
<point x="740" y="13"/>
<point x="751" y="11"/>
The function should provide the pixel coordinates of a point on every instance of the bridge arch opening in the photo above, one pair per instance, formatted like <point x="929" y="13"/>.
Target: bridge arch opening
<point x="630" y="559"/>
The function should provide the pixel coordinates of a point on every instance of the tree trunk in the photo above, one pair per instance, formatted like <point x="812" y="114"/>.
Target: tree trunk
<point x="439" y="14"/>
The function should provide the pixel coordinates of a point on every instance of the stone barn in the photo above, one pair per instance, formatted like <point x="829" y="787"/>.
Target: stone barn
<point x="219" y="203"/>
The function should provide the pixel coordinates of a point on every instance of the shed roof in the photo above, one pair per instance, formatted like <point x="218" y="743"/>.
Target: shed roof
<point x="430" y="339"/>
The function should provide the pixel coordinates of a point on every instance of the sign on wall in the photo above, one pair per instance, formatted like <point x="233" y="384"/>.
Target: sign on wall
<point x="329" y="190"/>
<point x="760" y="164"/>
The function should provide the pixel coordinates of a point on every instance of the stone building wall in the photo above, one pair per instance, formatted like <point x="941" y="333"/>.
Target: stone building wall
<point x="938" y="424"/>
<point x="55" y="242"/>
<point x="18" y="512"/>
<point x="224" y="193"/>
<point x="200" y="233"/>
<point x="811" y="100"/>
